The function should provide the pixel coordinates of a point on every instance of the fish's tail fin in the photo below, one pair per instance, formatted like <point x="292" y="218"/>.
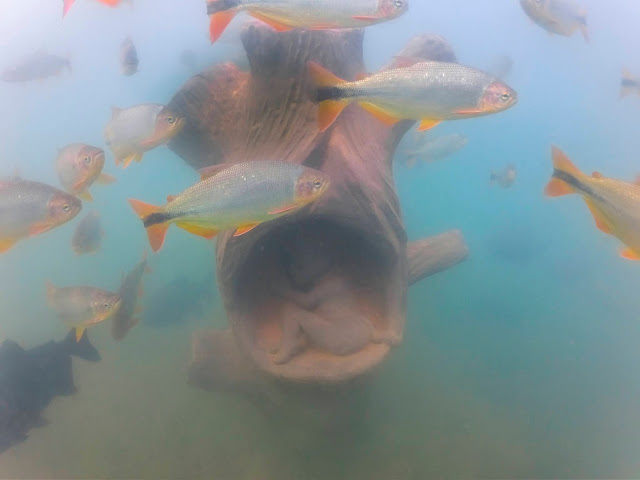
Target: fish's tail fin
<point x="66" y="6"/>
<point x="561" y="165"/>
<point x="582" y="21"/>
<point x="81" y="348"/>
<point x="329" y="96"/>
<point x="156" y="228"/>
<point x="221" y="13"/>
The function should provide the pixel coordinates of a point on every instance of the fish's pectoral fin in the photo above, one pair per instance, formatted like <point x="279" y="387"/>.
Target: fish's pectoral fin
<point x="218" y="23"/>
<point x="105" y="179"/>
<point x="284" y="209"/>
<point x="629" y="254"/>
<point x="244" y="229"/>
<point x="428" y="123"/>
<point x="85" y="196"/>
<point x="6" y="244"/>
<point x="79" y="333"/>
<point x="206" y="232"/>
<point x="39" y="228"/>
<point x="275" y="24"/>
<point x="601" y="221"/>
<point x="133" y="157"/>
<point x="381" y="114"/>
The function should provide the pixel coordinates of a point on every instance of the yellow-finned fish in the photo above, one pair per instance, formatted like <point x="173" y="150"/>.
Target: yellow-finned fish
<point x="311" y="14"/>
<point x="560" y="17"/>
<point x="135" y="130"/>
<point x="427" y="91"/>
<point x="614" y="204"/>
<point x="239" y="197"/>
<point x="31" y="208"/>
<point x="79" y="166"/>
<point x="81" y="307"/>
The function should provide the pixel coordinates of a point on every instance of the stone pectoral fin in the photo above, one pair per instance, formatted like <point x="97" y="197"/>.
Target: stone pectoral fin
<point x="432" y="255"/>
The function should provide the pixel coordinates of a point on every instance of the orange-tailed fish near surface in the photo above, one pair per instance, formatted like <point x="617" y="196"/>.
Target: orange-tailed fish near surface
<point x="426" y="91"/>
<point x="238" y="197"/>
<point x="79" y="166"/>
<point x="67" y="4"/>
<point x="30" y="208"/>
<point x="311" y="14"/>
<point x="133" y="131"/>
<point x="614" y="204"/>
<point x="81" y="307"/>
<point x="560" y="17"/>
<point x="629" y="84"/>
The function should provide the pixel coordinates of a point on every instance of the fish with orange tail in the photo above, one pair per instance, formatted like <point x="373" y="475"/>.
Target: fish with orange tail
<point x="614" y="204"/>
<point x="310" y="14"/>
<point x="67" y="4"/>
<point x="429" y="92"/>
<point x="238" y="197"/>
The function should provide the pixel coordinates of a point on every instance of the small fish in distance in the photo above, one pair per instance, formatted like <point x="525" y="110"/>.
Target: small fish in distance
<point x="78" y="166"/>
<point x="430" y="92"/>
<point x="560" y="17"/>
<point x="133" y="131"/>
<point x="238" y="197"/>
<point x="629" y="84"/>
<point x="37" y="66"/>
<point x="87" y="236"/>
<point x="504" y="178"/>
<point x="31" y="208"/>
<point x="614" y="204"/>
<point x="128" y="57"/>
<point x="130" y="292"/>
<point x="285" y="15"/>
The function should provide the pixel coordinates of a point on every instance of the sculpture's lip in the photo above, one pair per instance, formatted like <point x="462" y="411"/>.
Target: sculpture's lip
<point x="265" y="291"/>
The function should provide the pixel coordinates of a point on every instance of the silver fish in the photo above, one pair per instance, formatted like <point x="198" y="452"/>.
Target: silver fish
<point x="560" y="17"/>
<point x="431" y="149"/>
<point x="37" y="66"/>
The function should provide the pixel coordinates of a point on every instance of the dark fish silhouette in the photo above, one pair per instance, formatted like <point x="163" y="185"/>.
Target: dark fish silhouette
<point x="128" y="57"/>
<point x="178" y="300"/>
<point x="37" y="66"/>
<point x="30" y="379"/>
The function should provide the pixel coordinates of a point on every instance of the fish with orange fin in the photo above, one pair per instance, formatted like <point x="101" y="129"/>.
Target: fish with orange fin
<point x="238" y="197"/>
<point x="133" y="131"/>
<point x="31" y="208"/>
<point x="310" y="14"/>
<point x="429" y="92"/>
<point x="82" y="307"/>
<point x="614" y="204"/>
<point x="67" y="4"/>
<point x="79" y="166"/>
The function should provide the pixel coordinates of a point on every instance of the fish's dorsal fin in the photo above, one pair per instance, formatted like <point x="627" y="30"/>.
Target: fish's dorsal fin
<point x="597" y="175"/>
<point x="115" y="111"/>
<point x="404" y="61"/>
<point x="636" y="181"/>
<point x="213" y="170"/>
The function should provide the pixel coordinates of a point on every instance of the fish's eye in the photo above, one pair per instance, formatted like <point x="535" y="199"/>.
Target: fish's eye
<point x="505" y="97"/>
<point x="317" y="184"/>
<point x="106" y="305"/>
<point x="171" y="120"/>
<point x="66" y="207"/>
<point x="87" y="160"/>
<point x="399" y="3"/>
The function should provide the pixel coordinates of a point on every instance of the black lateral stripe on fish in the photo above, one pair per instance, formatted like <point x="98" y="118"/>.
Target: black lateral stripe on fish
<point x="574" y="182"/>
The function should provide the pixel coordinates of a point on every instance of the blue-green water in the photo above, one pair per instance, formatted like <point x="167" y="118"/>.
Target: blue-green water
<point x="514" y="365"/>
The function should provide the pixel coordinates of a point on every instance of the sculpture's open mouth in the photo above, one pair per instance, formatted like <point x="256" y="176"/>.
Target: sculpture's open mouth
<point x="317" y="299"/>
